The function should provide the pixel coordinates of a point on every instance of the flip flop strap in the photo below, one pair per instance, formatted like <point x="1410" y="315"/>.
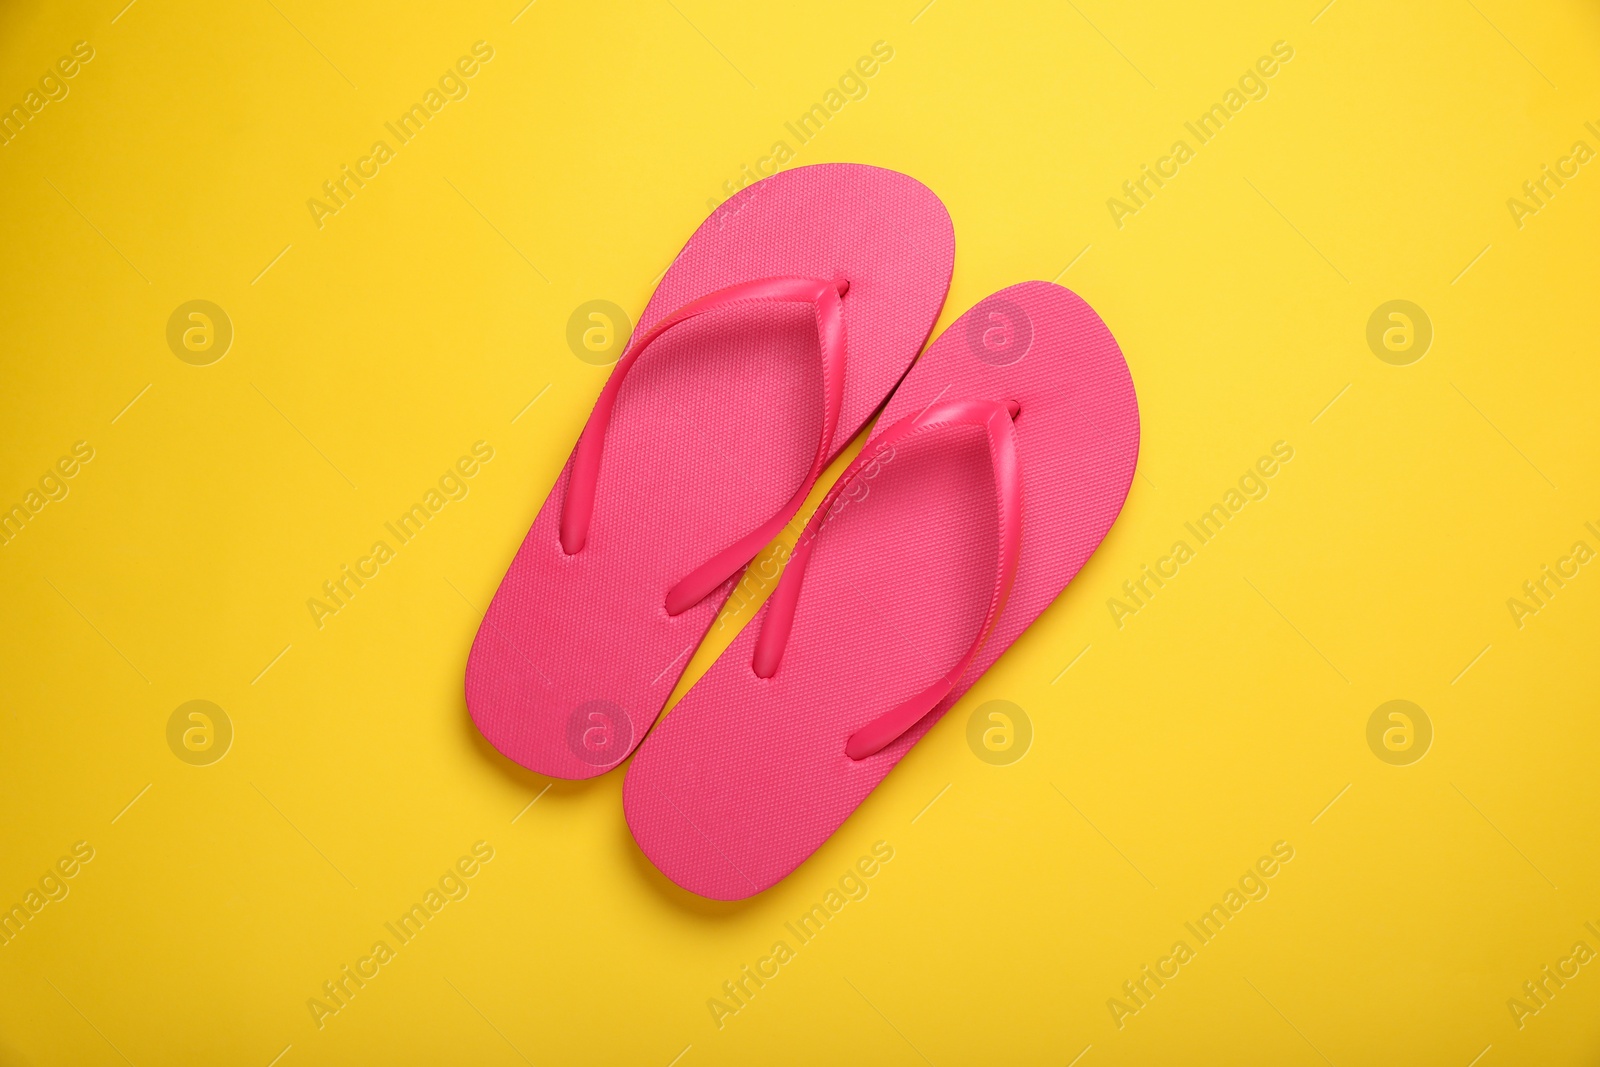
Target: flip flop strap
<point x="578" y="507"/>
<point x="996" y="419"/>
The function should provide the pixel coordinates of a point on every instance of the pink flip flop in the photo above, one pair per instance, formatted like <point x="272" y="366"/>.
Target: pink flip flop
<point x="772" y="338"/>
<point x="998" y="466"/>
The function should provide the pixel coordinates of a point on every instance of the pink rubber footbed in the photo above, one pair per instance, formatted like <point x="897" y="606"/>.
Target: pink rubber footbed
<point x="713" y="431"/>
<point x="746" y="776"/>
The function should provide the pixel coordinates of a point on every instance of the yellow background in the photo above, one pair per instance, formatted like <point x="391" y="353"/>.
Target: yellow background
<point x="1223" y="717"/>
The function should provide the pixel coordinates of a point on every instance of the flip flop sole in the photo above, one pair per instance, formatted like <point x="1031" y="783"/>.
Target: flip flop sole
<point x="712" y="431"/>
<point x="747" y="776"/>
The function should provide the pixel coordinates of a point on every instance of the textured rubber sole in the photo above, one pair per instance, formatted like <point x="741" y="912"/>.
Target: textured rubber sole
<point x="713" y="430"/>
<point x="746" y="777"/>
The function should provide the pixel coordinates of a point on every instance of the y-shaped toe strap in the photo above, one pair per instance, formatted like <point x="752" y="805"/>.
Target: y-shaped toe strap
<point x="996" y="419"/>
<point x="578" y="507"/>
